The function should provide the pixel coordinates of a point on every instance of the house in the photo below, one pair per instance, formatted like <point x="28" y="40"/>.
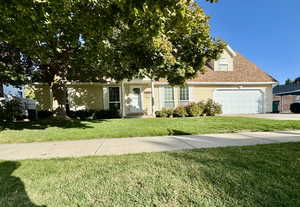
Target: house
<point x="233" y="81"/>
<point x="284" y="96"/>
<point x="11" y="90"/>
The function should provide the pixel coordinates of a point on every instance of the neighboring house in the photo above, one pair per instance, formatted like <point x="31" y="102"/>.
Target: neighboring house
<point x="284" y="96"/>
<point x="11" y="90"/>
<point x="233" y="81"/>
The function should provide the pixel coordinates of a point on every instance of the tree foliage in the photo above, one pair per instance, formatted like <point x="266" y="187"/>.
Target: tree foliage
<point x="289" y="81"/>
<point x="15" y="67"/>
<point x="92" y="40"/>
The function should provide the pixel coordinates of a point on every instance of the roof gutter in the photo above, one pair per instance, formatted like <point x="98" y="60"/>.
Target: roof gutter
<point x="288" y="92"/>
<point x="222" y="83"/>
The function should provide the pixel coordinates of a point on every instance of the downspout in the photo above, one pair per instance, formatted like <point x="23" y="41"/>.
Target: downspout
<point x="281" y="103"/>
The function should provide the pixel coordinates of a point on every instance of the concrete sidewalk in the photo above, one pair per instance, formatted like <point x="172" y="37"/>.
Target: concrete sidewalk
<point x="44" y="150"/>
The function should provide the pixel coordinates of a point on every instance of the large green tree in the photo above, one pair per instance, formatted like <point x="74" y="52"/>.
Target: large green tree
<point x="92" y="40"/>
<point x="15" y="67"/>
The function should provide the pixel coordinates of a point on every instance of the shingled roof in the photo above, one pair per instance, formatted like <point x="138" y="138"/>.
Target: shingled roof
<point x="243" y="71"/>
<point x="292" y="89"/>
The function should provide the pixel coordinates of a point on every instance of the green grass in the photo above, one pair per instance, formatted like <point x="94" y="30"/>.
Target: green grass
<point x="263" y="175"/>
<point x="74" y="130"/>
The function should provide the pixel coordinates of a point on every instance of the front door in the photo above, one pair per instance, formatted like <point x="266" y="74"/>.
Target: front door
<point x="135" y="100"/>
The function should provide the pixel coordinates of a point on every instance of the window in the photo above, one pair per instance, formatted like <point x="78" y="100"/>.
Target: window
<point x="223" y="67"/>
<point x="184" y="96"/>
<point x="169" y="97"/>
<point x="223" y="64"/>
<point x="114" y="98"/>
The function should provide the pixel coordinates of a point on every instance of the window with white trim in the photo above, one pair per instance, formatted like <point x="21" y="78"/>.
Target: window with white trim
<point x="114" y="98"/>
<point x="169" y="97"/>
<point x="184" y="96"/>
<point x="223" y="64"/>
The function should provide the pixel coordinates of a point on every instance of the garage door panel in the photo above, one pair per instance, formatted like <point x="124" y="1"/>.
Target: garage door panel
<point x="240" y="101"/>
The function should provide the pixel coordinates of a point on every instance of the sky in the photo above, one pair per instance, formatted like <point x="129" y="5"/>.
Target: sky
<point x="267" y="32"/>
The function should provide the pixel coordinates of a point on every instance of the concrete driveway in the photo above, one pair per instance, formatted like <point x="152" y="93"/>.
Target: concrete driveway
<point x="272" y="116"/>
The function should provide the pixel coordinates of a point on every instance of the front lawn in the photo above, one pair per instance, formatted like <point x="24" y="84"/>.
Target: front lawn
<point x="74" y="130"/>
<point x="263" y="175"/>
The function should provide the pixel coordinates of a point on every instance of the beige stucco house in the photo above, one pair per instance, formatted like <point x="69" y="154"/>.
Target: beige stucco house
<point x="233" y="81"/>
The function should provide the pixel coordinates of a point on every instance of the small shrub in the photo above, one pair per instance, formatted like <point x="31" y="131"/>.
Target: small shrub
<point x="102" y="114"/>
<point x="44" y="114"/>
<point x="161" y="114"/>
<point x="32" y="115"/>
<point x="84" y="114"/>
<point x="71" y="114"/>
<point x="202" y="104"/>
<point x="3" y="112"/>
<point x="195" y="109"/>
<point x="93" y="114"/>
<point x="11" y="110"/>
<point x="15" y="108"/>
<point x="295" y="107"/>
<point x="180" y="111"/>
<point x="158" y="114"/>
<point x="212" y="108"/>
<point x="107" y="114"/>
<point x="167" y="112"/>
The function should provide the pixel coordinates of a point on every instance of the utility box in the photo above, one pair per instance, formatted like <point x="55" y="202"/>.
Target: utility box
<point x="276" y="106"/>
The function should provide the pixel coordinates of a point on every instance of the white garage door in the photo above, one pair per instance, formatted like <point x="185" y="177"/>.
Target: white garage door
<point x="240" y="101"/>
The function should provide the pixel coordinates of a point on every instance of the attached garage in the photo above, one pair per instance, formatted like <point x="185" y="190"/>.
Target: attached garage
<point x="240" y="101"/>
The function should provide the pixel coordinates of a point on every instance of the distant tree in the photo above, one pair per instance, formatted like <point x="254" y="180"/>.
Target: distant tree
<point x="288" y="82"/>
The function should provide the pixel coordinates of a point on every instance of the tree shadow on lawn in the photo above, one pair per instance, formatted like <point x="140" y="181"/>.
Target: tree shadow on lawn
<point x="13" y="191"/>
<point x="245" y="176"/>
<point x="177" y="132"/>
<point x="44" y="124"/>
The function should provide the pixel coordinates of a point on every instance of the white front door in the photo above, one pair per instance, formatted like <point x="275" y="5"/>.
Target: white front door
<point x="240" y="101"/>
<point x="135" y="99"/>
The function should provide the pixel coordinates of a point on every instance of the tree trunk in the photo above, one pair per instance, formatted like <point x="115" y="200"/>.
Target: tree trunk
<point x="59" y="90"/>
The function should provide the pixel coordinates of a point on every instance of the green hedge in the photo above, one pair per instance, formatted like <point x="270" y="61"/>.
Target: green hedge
<point x="10" y="110"/>
<point x="209" y="108"/>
